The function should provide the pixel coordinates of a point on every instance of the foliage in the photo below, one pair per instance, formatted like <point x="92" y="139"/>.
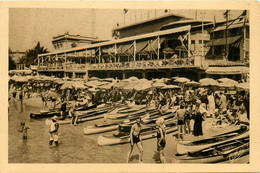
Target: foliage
<point x="12" y="64"/>
<point x="31" y="55"/>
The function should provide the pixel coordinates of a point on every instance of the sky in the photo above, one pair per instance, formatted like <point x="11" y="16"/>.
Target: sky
<point x="27" y="26"/>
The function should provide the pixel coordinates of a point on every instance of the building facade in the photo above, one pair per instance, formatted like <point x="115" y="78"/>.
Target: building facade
<point x="180" y="47"/>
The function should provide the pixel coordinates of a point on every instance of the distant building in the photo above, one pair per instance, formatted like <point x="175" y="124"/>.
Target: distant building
<point x="67" y="41"/>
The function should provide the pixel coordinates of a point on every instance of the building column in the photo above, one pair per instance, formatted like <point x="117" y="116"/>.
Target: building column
<point x="86" y="76"/>
<point x="73" y="75"/>
<point x="108" y="74"/>
<point x="143" y="74"/>
<point x="168" y="74"/>
<point x="123" y="75"/>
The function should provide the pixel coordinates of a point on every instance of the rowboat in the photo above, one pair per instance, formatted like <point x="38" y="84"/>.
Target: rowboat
<point x="217" y="153"/>
<point x="117" y="139"/>
<point x="115" y="125"/>
<point x="187" y="146"/>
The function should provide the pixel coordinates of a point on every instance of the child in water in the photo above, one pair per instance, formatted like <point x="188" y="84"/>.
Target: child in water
<point x="23" y="129"/>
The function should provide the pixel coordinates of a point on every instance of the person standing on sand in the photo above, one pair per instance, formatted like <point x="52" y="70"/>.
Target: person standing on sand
<point x="161" y="141"/>
<point x="54" y="131"/>
<point x="180" y="121"/>
<point x="135" y="138"/>
<point x="211" y="105"/>
<point x="199" y="117"/>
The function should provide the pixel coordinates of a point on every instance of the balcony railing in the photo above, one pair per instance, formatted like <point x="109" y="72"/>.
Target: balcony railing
<point x="148" y="64"/>
<point x="145" y="64"/>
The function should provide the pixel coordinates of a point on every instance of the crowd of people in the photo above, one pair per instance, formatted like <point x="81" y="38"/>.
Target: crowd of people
<point x="189" y="103"/>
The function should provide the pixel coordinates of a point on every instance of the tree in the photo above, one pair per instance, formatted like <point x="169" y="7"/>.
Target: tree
<point x="12" y="64"/>
<point x="32" y="54"/>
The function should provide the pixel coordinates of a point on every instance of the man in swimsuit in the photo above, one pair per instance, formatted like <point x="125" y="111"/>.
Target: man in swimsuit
<point x="180" y="118"/>
<point x="135" y="139"/>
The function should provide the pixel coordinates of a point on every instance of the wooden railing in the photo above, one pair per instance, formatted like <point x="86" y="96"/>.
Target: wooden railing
<point x="145" y="64"/>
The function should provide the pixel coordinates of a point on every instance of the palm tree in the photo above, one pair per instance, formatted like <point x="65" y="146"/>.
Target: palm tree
<point x="32" y="54"/>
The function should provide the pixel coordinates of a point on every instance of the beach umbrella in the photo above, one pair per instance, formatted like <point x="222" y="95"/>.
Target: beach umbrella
<point x="65" y="78"/>
<point x="94" y="78"/>
<point x="79" y="85"/>
<point x="227" y="80"/>
<point x="192" y="83"/>
<point x="176" y="77"/>
<point x="158" y="85"/>
<point x="22" y="78"/>
<point x="130" y="86"/>
<point x="182" y="80"/>
<point x="171" y="87"/>
<point x="133" y="78"/>
<point x="106" y="86"/>
<point x="142" y="87"/>
<point x="226" y="85"/>
<point x="208" y="81"/>
<point x="244" y="86"/>
<point x="108" y="79"/>
<point x="93" y="89"/>
<point x="92" y="83"/>
<point x="77" y="79"/>
<point x="121" y="84"/>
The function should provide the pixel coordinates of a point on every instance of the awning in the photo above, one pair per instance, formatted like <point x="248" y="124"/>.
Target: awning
<point x="228" y="70"/>
<point x="222" y="41"/>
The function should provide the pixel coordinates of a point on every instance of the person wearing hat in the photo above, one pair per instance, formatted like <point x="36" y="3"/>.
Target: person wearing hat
<point x="135" y="138"/>
<point x="198" y="118"/>
<point x="161" y="141"/>
<point x="54" y="131"/>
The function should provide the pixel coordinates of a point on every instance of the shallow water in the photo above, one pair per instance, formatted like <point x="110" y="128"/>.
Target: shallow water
<point x="75" y="147"/>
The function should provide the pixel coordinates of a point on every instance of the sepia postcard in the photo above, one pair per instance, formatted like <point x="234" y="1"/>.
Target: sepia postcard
<point x="129" y="86"/>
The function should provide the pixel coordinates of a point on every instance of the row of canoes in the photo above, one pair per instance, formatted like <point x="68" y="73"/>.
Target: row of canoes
<point x="229" y="145"/>
<point x="226" y="146"/>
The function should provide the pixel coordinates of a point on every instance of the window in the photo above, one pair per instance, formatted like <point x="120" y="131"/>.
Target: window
<point x="192" y="41"/>
<point x="73" y="45"/>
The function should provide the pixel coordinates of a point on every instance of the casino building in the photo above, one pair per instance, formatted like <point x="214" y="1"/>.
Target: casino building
<point x="167" y="46"/>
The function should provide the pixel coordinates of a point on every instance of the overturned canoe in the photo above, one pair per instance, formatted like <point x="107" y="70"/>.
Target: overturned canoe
<point x="187" y="146"/>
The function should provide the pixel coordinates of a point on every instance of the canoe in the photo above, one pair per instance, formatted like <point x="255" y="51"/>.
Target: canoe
<point x="126" y="127"/>
<point x="115" y="125"/>
<point x="44" y="114"/>
<point x="114" y="140"/>
<point x="56" y="112"/>
<point x="80" y="120"/>
<point x="133" y="109"/>
<point x="131" y="115"/>
<point x="229" y="150"/>
<point x="187" y="146"/>
<point x="88" y="117"/>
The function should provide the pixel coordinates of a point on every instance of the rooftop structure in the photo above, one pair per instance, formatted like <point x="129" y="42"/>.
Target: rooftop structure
<point x="147" y="26"/>
<point x="67" y="41"/>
